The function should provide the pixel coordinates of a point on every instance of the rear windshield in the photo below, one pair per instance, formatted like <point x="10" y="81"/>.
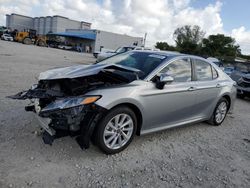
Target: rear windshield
<point x="143" y="61"/>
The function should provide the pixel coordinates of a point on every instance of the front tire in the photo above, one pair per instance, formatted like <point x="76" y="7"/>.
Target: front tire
<point x="220" y="112"/>
<point x="27" y="41"/>
<point x="116" y="130"/>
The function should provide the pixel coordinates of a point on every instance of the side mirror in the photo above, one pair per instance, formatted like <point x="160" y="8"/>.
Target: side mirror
<point x="164" y="79"/>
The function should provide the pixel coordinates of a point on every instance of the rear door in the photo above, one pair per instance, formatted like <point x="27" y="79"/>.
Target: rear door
<point x="207" y="87"/>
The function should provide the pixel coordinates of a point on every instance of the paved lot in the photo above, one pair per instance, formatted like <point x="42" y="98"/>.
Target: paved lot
<point x="198" y="155"/>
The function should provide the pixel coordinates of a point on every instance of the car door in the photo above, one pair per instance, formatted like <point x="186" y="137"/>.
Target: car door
<point x="207" y="87"/>
<point x="174" y="103"/>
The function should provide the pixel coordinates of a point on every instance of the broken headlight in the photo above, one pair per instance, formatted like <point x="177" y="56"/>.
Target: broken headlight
<point x="70" y="102"/>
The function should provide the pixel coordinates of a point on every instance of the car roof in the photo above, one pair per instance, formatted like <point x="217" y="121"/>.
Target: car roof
<point x="126" y="47"/>
<point x="165" y="53"/>
<point x="171" y="54"/>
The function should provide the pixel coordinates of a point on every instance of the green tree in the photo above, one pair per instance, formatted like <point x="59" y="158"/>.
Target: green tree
<point x="220" y="46"/>
<point x="188" y="39"/>
<point x="245" y="56"/>
<point x="164" y="46"/>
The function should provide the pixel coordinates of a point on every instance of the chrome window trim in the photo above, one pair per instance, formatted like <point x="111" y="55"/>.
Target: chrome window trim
<point x="211" y="65"/>
<point x="165" y="64"/>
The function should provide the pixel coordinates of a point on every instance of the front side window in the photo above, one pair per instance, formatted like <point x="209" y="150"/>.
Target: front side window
<point x="180" y="70"/>
<point x="203" y="70"/>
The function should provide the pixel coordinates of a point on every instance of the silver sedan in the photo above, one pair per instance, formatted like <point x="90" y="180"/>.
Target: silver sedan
<point x="137" y="92"/>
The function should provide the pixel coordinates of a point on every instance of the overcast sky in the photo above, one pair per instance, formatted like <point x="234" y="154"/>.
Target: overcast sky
<point x="159" y="18"/>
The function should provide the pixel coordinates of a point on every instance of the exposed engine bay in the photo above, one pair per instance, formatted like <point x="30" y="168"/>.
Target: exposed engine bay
<point x="61" y="103"/>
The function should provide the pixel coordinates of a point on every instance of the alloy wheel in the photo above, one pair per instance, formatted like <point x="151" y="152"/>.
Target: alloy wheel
<point x="118" y="131"/>
<point x="221" y="112"/>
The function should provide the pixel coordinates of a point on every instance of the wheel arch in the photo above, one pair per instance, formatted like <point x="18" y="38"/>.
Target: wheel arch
<point x="228" y="98"/>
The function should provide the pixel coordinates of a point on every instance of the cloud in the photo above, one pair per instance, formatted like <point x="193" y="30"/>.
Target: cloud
<point x="178" y="4"/>
<point x="158" y="18"/>
<point x="242" y="36"/>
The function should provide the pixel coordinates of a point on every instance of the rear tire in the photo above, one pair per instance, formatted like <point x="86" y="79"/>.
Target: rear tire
<point x="116" y="130"/>
<point x="220" y="112"/>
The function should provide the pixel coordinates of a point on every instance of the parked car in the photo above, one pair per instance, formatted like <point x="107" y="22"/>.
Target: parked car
<point x="146" y="48"/>
<point x="216" y="61"/>
<point x="95" y="53"/>
<point x="104" y="55"/>
<point x="229" y="70"/>
<point x="241" y="76"/>
<point x="7" y="37"/>
<point x="53" y="43"/>
<point x="65" y="47"/>
<point x="136" y="92"/>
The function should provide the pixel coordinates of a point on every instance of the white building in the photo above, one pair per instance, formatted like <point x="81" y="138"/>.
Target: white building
<point x="44" y="25"/>
<point x="75" y="33"/>
<point x="97" y="39"/>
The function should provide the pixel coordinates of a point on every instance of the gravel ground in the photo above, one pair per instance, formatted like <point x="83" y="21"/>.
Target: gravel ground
<point x="197" y="155"/>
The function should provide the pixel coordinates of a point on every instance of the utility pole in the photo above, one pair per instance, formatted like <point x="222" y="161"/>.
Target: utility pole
<point x="144" y="42"/>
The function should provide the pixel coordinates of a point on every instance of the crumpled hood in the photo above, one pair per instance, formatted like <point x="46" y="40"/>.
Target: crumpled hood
<point x="71" y="72"/>
<point x="78" y="71"/>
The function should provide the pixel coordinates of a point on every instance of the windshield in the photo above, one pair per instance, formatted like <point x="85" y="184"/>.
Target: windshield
<point x="143" y="61"/>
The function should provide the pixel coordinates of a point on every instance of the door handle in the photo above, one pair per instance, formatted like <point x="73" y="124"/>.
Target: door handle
<point x="191" y="88"/>
<point x="218" y="85"/>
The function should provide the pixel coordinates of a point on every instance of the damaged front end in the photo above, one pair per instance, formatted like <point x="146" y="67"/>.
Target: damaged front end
<point x="69" y="116"/>
<point x="62" y="105"/>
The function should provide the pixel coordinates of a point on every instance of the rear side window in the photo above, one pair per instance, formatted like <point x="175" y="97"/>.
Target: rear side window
<point x="203" y="70"/>
<point x="180" y="70"/>
<point x="215" y="73"/>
